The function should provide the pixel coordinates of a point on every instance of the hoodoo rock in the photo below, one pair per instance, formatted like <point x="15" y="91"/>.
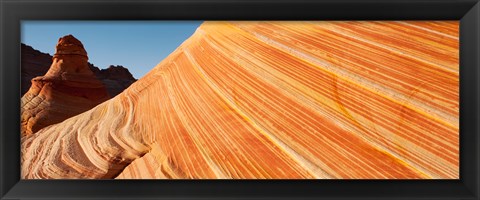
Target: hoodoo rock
<point x="241" y="100"/>
<point x="36" y="63"/>
<point x="68" y="88"/>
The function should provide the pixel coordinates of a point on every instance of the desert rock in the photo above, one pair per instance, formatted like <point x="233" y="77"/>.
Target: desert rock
<point x="68" y="88"/>
<point x="281" y="100"/>
<point x="115" y="78"/>
<point x="36" y="63"/>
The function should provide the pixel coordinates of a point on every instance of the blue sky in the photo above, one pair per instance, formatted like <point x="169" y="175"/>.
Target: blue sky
<point x="137" y="45"/>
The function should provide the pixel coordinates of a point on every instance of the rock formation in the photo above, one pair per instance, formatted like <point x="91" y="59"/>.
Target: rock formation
<point x="115" y="78"/>
<point x="68" y="88"/>
<point x="347" y="100"/>
<point x="36" y="63"/>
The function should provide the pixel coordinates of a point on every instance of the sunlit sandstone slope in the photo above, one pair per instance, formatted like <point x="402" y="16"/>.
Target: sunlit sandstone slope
<point x="275" y="100"/>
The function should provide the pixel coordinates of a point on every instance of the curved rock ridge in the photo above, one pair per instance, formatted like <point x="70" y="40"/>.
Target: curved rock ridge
<point x="275" y="100"/>
<point x="68" y="88"/>
<point x="35" y="63"/>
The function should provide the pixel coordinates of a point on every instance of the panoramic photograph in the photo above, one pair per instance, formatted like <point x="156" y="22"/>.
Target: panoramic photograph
<point x="239" y="99"/>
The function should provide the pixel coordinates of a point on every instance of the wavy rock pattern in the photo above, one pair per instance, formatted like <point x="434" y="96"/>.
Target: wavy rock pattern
<point x="68" y="88"/>
<point x="352" y="100"/>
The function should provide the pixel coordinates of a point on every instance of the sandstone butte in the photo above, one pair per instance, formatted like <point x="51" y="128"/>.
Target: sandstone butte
<point x="36" y="63"/>
<point x="274" y="100"/>
<point x="68" y="88"/>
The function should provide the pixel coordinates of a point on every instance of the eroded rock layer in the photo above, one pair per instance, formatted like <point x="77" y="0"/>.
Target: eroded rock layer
<point x="68" y="88"/>
<point x="348" y="100"/>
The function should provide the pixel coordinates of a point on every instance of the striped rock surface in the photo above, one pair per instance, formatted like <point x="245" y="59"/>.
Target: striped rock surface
<point x="315" y="100"/>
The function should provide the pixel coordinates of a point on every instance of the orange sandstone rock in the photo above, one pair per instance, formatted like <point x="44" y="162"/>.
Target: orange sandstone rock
<point x="341" y="100"/>
<point x="67" y="89"/>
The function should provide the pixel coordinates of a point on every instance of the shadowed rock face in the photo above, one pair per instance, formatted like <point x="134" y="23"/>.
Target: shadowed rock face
<point x="347" y="100"/>
<point x="68" y="88"/>
<point x="36" y="63"/>
<point x="115" y="78"/>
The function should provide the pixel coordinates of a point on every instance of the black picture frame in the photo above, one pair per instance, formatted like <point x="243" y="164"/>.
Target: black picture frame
<point x="14" y="11"/>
